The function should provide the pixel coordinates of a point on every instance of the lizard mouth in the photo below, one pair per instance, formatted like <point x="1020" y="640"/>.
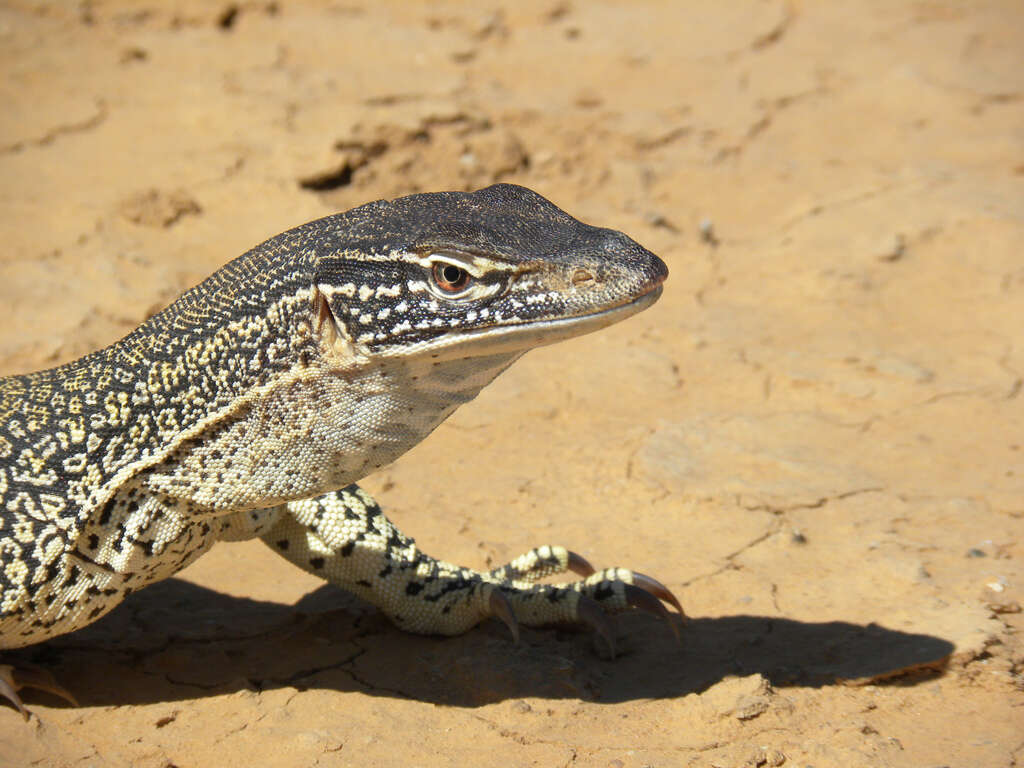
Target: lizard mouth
<point x="592" y="321"/>
<point x="517" y="338"/>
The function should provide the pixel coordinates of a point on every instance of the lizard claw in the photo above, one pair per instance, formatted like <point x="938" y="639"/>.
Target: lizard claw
<point x="589" y="611"/>
<point x="659" y="590"/>
<point x="637" y="597"/>
<point x="579" y="564"/>
<point x="12" y="680"/>
<point x="9" y="690"/>
<point x="502" y="608"/>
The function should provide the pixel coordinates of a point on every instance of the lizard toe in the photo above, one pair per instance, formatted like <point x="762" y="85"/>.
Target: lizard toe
<point x="501" y="608"/>
<point x="14" y="679"/>
<point x="579" y="564"/>
<point x="589" y="612"/>
<point x="637" y="597"/>
<point x="9" y="689"/>
<point x="659" y="590"/>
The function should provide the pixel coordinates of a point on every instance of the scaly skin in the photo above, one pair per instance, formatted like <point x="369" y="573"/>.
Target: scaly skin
<point x="251" y="405"/>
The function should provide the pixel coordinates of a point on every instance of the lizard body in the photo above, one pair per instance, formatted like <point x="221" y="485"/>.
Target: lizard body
<point x="252" y="404"/>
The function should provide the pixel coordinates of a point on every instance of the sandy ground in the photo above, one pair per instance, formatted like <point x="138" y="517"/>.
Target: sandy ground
<point x="815" y="438"/>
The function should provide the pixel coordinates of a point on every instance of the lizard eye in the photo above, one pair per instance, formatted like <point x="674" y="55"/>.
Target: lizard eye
<point x="449" y="278"/>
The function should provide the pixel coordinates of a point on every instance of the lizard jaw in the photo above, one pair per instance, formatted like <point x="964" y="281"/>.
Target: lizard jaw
<point x="522" y="336"/>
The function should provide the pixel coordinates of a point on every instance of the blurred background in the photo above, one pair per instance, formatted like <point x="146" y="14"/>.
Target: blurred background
<point x="814" y="438"/>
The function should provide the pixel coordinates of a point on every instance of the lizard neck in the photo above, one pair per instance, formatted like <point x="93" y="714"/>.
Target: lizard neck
<point x="388" y="407"/>
<point x="320" y="429"/>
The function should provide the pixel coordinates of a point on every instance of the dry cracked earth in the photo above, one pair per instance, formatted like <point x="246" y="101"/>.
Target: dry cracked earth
<point x="814" y="438"/>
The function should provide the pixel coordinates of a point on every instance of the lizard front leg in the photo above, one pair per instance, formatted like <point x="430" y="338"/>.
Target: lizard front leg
<point x="344" y="538"/>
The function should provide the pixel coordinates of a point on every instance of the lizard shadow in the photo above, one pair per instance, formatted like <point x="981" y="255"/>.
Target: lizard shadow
<point x="177" y="640"/>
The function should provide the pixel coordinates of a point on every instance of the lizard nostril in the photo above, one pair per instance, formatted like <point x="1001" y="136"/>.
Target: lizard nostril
<point x="581" y="278"/>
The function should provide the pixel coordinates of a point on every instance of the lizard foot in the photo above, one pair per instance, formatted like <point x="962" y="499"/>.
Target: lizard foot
<point x="589" y="601"/>
<point x="14" y="679"/>
<point x="345" y="538"/>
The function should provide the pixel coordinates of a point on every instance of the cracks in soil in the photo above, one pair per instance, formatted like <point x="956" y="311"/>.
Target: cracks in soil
<point x="143" y="660"/>
<point x="774" y="35"/>
<point x="292" y="678"/>
<point x="860" y="197"/>
<point x="523" y="739"/>
<point x="818" y="504"/>
<point x="349" y="668"/>
<point x="774" y="592"/>
<point x="1017" y="756"/>
<point x="777" y="523"/>
<point x="63" y="129"/>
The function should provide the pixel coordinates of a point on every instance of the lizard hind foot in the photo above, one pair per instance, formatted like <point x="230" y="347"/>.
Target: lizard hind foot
<point x="14" y="679"/>
<point x="346" y="539"/>
<point x="600" y="593"/>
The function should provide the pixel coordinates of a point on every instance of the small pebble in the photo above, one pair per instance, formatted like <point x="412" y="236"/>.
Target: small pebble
<point x="707" y="232"/>
<point x="521" y="707"/>
<point x="660" y="220"/>
<point x="894" y="249"/>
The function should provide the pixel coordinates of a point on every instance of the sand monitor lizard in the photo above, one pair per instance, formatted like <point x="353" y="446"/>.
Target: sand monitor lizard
<point x="250" y="406"/>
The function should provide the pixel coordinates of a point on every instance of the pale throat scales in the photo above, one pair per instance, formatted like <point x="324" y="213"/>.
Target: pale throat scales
<point x="366" y="417"/>
<point x="322" y="426"/>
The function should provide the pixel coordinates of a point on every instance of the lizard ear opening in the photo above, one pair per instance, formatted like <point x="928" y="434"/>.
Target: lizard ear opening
<point x="334" y="341"/>
<point x="324" y="324"/>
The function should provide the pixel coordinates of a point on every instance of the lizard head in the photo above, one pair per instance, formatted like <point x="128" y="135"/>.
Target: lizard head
<point x="499" y="270"/>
